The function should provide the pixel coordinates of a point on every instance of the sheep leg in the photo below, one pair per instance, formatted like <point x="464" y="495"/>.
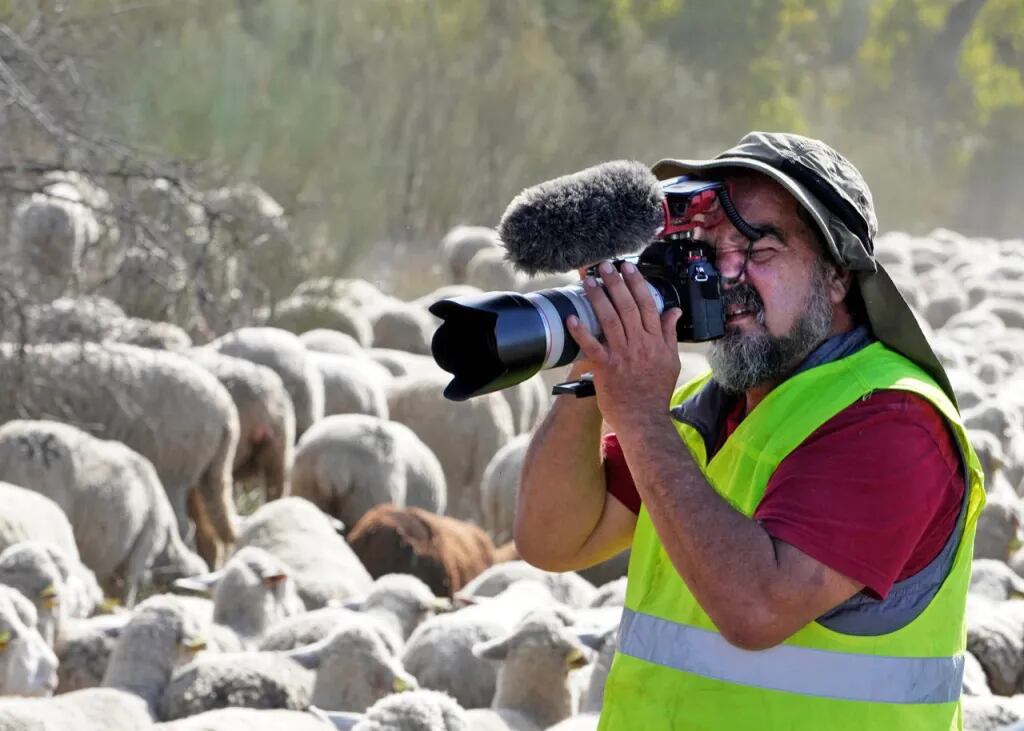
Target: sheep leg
<point x="207" y="544"/>
<point x="215" y="489"/>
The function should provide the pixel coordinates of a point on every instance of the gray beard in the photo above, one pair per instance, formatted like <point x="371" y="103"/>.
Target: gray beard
<point x="741" y="362"/>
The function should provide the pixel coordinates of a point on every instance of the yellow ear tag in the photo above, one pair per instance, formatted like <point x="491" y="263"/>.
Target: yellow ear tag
<point x="5" y="637"/>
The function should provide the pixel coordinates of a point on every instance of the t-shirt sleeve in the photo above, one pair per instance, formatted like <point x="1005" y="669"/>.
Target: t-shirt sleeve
<point x="618" y="480"/>
<point x="865" y="490"/>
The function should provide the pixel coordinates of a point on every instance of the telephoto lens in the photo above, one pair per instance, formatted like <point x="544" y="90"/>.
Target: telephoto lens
<point x="495" y="340"/>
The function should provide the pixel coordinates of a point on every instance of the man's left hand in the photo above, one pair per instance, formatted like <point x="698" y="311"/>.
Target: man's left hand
<point x="636" y="367"/>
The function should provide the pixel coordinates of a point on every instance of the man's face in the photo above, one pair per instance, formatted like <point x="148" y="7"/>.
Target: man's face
<point x="779" y="300"/>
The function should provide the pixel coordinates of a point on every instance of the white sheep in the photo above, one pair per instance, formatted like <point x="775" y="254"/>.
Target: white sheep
<point x="464" y="435"/>
<point x="533" y="689"/>
<point x="414" y="710"/>
<point x="123" y="524"/>
<point x="348" y="463"/>
<point x="331" y="341"/>
<point x="995" y="580"/>
<point x="250" y="594"/>
<point x="447" y="291"/>
<point x="439" y="652"/>
<point x="491" y="272"/>
<point x="999" y="526"/>
<point x="266" y="419"/>
<point x="29" y="516"/>
<point x="84" y="648"/>
<point x="355" y="293"/>
<point x="52" y="232"/>
<point x="306" y="540"/>
<point x="460" y="245"/>
<point x="568" y="588"/>
<point x="402" y="363"/>
<point x="529" y="401"/>
<point x="29" y="568"/>
<point x="499" y="489"/>
<point x="170" y="411"/>
<point x="975" y="682"/>
<point x="159" y="636"/>
<point x="402" y="326"/>
<point x="28" y="666"/>
<point x="299" y="314"/>
<point x="995" y="636"/>
<point x="352" y="667"/>
<point x="352" y="384"/>
<point x="250" y="719"/>
<point x="992" y="713"/>
<point x="284" y="353"/>
<point x="394" y="607"/>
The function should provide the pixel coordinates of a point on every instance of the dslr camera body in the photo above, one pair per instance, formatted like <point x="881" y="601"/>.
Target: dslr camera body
<point x="494" y="340"/>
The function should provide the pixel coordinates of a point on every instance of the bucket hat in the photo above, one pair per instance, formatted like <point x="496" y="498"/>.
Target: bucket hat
<point x="836" y="196"/>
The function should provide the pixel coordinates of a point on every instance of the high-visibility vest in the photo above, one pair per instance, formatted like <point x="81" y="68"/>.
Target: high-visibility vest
<point x="674" y="670"/>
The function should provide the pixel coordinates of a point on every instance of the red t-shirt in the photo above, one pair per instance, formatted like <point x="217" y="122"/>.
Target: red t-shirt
<point x="874" y="493"/>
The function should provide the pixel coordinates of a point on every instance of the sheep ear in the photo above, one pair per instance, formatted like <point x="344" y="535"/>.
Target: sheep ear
<point x="577" y="658"/>
<point x="308" y="656"/>
<point x="593" y="640"/>
<point x="492" y="650"/>
<point x="201" y="584"/>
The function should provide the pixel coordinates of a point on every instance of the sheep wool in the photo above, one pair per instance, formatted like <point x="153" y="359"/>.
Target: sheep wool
<point x="28" y="666"/>
<point x="499" y="488"/>
<point x="29" y="516"/>
<point x="352" y="384"/>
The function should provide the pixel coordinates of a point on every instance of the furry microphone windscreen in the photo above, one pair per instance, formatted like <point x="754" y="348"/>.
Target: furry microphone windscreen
<point x="599" y="213"/>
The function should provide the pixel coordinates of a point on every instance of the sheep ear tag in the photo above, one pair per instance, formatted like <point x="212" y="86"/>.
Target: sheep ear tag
<point x="576" y="659"/>
<point x="5" y="637"/>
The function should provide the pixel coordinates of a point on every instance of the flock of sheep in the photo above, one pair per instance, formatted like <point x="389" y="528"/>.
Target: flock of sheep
<point x="285" y="525"/>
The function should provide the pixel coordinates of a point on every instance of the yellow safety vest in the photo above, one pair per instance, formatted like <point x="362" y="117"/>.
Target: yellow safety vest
<point x="674" y="670"/>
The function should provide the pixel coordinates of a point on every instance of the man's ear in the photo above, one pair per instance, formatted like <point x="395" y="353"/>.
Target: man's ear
<point x="839" y="282"/>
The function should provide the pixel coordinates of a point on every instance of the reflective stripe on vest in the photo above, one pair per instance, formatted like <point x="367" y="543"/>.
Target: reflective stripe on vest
<point x="801" y="670"/>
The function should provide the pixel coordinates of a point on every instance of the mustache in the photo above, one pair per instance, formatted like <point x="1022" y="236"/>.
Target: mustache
<point x="745" y="296"/>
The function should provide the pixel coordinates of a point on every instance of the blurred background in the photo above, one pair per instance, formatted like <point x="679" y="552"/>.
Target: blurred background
<point x="378" y="125"/>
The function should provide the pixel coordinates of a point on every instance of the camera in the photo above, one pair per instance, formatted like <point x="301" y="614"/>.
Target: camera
<point x="494" y="340"/>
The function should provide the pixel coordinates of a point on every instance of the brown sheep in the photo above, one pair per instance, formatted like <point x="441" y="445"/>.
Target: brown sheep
<point x="445" y="553"/>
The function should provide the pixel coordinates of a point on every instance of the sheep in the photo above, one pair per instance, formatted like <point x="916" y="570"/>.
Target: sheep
<point x="444" y="552"/>
<point x="159" y="636"/>
<point x="464" y="435"/>
<point x="995" y="636"/>
<point x="303" y="313"/>
<point x="975" y="682"/>
<point x="355" y="293"/>
<point x="285" y="354"/>
<point x="29" y="516"/>
<point x="448" y="291"/>
<point x="401" y="363"/>
<point x="499" y="488"/>
<point x="29" y="568"/>
<point x="399" y="603"/>
<point x="611" y="594"/>
<point x="460" y="245"/>
<point x="266" y="419"/>
<point x="348" y="463"/>
<point x="170" y="411"/>
<point x="353" y="669"/>
<point x="491" y="272"/>
<point x="533" y="690"/>
<point x="123" y="523"/>
<point x="84" y="648"/>
<point x="52" y="232"/>
<point x="568" y="588"/>
<point x="414" y="710"/>
<point x="323" y="340"/>
<point x="249" y="719"/>
<point x="28" y="666"/>
<point x="300" y="535"/>
<point x="995" y="580"/>
<point x="992" y="713"/>
<point x="252" y="592"/>
<point x="315" y="625"/>
<point x="402" y="326"/>
<point x="352" y="384"/>
<point x="439" y="652"/>
<point x="999" y="527"/>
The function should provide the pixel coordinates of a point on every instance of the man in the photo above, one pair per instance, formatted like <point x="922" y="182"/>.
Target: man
<point x="801" y="519"/>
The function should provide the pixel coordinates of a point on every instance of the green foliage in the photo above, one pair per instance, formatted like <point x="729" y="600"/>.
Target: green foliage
<point x="391" y="120"/>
